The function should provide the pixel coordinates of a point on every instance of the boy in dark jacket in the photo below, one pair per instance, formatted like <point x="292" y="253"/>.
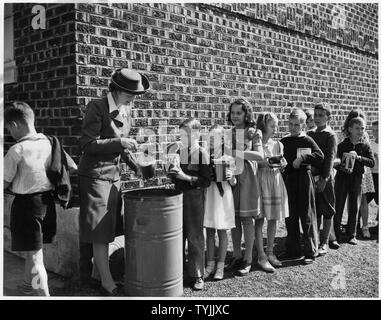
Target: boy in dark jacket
<point x="326" y="139"/>
<point x="348" y="181"/>
<point x="192" y="179"/>
<point x="301" y="152"/>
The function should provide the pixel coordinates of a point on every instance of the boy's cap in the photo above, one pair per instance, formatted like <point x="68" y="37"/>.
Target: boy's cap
<point x="325" y="107"/>
<point x="130" y="81"/>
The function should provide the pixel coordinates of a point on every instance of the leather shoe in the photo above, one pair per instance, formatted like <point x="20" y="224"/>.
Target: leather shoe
<point x="274" y="261"/>
<point x="266" y="266"/>
<point x="106" y="293"/>
<point x="334" y="245"/>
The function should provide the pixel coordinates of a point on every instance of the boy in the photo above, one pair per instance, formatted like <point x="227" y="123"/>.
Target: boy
<point x="301" y="152"/>
<point x="192" y="179"/>
<point x="374" y="147"/>
<point x="25" y="166"/>
<point x="348" y="180"/>
<point x="326" y="139"/>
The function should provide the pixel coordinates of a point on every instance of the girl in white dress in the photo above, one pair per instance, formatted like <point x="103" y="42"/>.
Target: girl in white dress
<point x="273" y="190"/>
<point x="219" y="209"/>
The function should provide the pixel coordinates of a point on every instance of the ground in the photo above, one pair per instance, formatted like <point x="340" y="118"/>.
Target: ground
<point x="351" y="271"/>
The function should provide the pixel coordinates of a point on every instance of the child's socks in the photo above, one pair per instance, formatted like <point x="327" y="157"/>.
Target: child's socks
<point x="210" y="268"/>
<point x="219" y="274"/>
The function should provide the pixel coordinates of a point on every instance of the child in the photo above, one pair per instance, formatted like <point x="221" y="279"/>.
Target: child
<point x="192" y="179"/>
<point x="326" y="139"/>
<point x="301" y="152"/>
<point x="25" y="166"/>
<point x="374" y="147"/>
<point x="310" y="123"/>
<point x="219" y="209"/>
<point x="246" y="192"/>
<point x="273" y="191"/>
<point x="348" y="182"/>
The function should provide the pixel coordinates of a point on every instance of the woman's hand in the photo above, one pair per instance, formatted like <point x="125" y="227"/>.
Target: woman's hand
<point x="229" y="174"/>
<point x="181" y="175"/>
<point x="129" y="144"/>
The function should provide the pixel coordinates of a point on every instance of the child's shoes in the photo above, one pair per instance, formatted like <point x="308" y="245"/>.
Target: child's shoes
<point x="198" y="284"/>
<point x="274" y="260"/>
<point x="210" y="269"/>
<point x="365" y="232"/>
<point x="265" y="265"/>
<point x="219" y="274"/>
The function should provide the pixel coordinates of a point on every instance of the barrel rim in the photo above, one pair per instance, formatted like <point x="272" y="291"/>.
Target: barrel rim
<point x="144" y="193"/>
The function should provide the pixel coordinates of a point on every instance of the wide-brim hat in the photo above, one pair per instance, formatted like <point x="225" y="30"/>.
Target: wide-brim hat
<point x="130" y="81"/>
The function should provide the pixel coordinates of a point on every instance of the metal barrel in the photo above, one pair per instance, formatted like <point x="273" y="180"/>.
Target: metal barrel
<point x="153" y="243"/>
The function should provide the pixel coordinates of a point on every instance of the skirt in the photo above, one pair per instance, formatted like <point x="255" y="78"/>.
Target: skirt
<point x="367" y="185"/>
<point x="100" y="215"/>
<point x="273" y="193"/>
<point x="33" y="221"/>
<point x="246" y="192"/>
<point x="219" y="211"/>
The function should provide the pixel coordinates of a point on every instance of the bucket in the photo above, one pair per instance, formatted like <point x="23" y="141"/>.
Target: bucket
<point x="153" y="243"/>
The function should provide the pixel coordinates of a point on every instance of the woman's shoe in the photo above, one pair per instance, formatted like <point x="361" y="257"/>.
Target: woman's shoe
<point x="353" y="241"/>
<point x="274" y="260"/>
<point x="266" y="266"/>
<point x="106" y="293"/>
<point x="198" y="284"/>
<point x="244" y="269"/>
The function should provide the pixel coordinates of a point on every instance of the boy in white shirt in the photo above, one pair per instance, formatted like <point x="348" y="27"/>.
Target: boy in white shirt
<point x="25" y="166"/>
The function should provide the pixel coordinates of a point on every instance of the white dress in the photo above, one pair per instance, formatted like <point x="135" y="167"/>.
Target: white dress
<point x="219" y="211"/>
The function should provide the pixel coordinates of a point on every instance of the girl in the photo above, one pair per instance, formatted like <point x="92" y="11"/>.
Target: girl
<point x="219" y="209"/>
<point x="367" y="185"/>
<point x="273" y="191"/>
<point x="246" y="192"/>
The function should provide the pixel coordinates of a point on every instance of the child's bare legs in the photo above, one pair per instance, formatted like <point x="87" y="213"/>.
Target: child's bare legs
<point x="236" y="238"/>
<point x="222" y="245"/>
<point x="34" y="263"/>
<point x="364" y="212"/>
<point x="101" y="260"/>
<point x="222" y="248"/>
<point x="262" y="258"/>
<point x="248" y="235"/>
<point x="210" y="247"/>
<point x="210" y="243"/>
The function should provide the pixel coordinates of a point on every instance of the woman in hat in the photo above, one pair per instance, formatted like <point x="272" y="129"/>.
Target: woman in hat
<point x="104" y="142"/>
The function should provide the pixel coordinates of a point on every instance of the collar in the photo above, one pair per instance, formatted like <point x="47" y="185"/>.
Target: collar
<point x="111" y="103"/>
<point x="326" y="129"/>
<point x="30" y="136"/>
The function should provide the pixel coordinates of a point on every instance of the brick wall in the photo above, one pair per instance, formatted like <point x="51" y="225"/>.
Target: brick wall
<point x="199" y="57"/>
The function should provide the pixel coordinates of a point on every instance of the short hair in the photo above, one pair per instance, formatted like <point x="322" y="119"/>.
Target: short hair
<point x="246" y="108"/>
<point x="18" y="111"/>
<point x="264" y="119"/>
<point x="354" y="113"/>
<point x="375" y="123"/>
<point x="309" y="113"/>
<point x="357" y="120"/>
<point x="325" y="107"/>
<point x="191" y="123"/>
<point x="298" y="113"/>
